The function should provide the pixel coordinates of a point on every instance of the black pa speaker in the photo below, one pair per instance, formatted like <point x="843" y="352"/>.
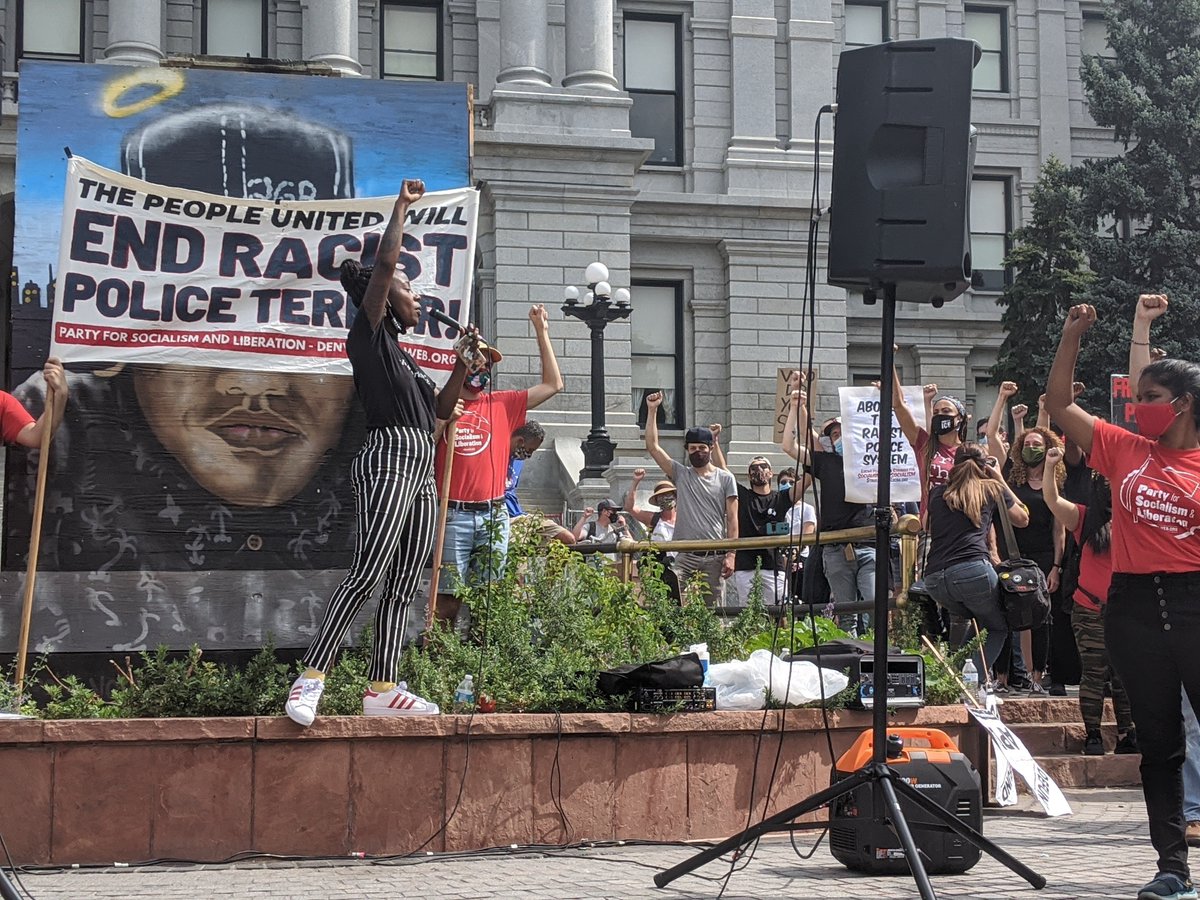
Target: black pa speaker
<point x="903" y="152"/>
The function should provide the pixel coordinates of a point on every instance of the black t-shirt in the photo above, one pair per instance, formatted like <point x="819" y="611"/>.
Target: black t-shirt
<point x="835" y="513"/>
<point x="1078" y="486"/>
<point x="1035" y="540"/>
<point x="393" y="389"/>
<point x="954" y="538"/>
<point x="756" y="514"/>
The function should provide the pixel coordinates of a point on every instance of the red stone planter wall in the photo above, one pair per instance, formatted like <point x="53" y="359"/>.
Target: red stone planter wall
<point x="204" y="789"/>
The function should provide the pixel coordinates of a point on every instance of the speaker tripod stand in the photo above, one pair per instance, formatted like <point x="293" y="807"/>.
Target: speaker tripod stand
<point x="882" y="777"/>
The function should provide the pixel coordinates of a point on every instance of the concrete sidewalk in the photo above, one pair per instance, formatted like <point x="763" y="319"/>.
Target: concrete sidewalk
<point x="1102" y="850"/>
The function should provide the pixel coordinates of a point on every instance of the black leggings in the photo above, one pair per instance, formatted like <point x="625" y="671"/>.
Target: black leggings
<point x="1152" y="628"/>
<point x="396" y="504"/>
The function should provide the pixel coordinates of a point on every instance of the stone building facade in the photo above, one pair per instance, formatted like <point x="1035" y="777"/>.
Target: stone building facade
<point x="672" y="140"/>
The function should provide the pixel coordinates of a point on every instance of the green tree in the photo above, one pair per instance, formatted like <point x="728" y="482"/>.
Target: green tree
<point x="1149" y="94"/>
<point x="1050" y="270"/>
<point x="1133" y="219"/>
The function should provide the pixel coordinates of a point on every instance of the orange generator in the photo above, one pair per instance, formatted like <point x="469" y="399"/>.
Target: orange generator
<point x="861" y="838"/>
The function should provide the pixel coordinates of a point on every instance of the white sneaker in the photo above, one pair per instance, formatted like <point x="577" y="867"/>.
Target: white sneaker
<point x="399" y="701"/>
<point x="301" y="705"/>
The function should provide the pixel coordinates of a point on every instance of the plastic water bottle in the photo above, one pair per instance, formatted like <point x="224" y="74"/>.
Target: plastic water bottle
<point x="970" y="677"/>
<point x="464" y="694"/>
<point x="701" y="651"/>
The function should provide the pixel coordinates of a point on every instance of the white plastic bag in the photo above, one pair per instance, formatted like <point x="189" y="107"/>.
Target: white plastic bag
<point x="744" y="684"/>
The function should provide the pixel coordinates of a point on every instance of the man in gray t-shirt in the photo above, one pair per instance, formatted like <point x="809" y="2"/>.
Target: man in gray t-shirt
<point x="706" y="504"/>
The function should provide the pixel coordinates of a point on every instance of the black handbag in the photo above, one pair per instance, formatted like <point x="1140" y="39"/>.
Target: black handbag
<point x="1024" y="593"/>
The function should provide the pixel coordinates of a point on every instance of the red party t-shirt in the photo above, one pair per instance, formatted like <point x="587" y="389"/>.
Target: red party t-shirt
<point x="1095" y="569"/>
<point x="1156" y="501"/>
<point x="482" y="443"/>
<point x="938" y="471"/>
<point x="13" y="417"/>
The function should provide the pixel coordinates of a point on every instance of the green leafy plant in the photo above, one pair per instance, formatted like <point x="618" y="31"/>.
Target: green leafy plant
<point x="70" y="698"/>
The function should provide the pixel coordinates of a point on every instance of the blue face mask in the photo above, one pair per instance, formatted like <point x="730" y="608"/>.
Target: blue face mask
<point x="837" y="446"/>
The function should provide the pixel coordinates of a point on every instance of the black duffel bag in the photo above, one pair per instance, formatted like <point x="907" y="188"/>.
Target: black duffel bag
<point x="677" y="672"/>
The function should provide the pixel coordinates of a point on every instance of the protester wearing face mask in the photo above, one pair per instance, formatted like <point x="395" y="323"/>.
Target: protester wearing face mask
<point x="762" y="512"/>
<point x="525" y="442"/>
<point x="1043" y="540"/>
<point x="477" y="518"/>
<point x="849" y="568"/>
<point x="707" y="501"/>
<point x="936" y="447"/>
<point x="1151" y="620"/>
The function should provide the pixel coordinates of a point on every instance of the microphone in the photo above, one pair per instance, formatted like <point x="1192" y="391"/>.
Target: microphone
<point x="438" y="316"/>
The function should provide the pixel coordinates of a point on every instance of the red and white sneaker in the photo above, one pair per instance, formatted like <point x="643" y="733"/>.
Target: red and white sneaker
<point x="301" y="705"/>
<point x="399" y="701"/>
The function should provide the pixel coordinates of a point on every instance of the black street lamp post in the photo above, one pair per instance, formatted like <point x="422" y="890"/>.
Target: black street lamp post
<point x="600" y="306"/>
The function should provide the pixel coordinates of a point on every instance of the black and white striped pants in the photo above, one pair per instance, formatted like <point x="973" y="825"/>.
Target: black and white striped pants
<point x="396" y="512"/>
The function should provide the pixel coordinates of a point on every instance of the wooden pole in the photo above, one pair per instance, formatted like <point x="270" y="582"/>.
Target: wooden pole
<point x="35" y="537"/>
<point x="443" y="509"/>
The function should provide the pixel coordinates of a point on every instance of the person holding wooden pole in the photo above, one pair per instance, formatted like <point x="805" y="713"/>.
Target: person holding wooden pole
<point x="392" y="476"/>
<point x="18" y="427"/>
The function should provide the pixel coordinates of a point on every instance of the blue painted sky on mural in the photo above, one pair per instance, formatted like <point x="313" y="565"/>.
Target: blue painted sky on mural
<point x="392" y="130"/>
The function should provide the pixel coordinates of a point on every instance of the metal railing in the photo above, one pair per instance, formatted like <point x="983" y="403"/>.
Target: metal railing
<point x="907" y="528"/>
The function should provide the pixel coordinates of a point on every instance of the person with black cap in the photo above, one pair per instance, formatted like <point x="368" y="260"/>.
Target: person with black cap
<point x="707" y="503"/>
<point x="392" y="476"/>
<point x="849" y="568"/>
<point x="608" y="525"/>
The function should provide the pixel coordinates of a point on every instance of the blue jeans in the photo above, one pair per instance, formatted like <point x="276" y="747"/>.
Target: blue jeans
<point x="969" y="590"/>
<point x="1191" y="764"/>
<point x="850" y="581"/>
<point x="469" y="551"/>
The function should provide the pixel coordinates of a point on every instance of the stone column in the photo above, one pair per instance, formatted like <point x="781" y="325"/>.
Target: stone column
<point x="1054" y="101"/>
<point x="752" y="30"/>
<point x="946" y="367"/>
<point x="810" y="69"/>
<point x="487" y="29"/>
<point x="590" y="45"/>
<point x="134" y="33"/>
<point x="523" y="44"/>
<point x="331" y="34"/>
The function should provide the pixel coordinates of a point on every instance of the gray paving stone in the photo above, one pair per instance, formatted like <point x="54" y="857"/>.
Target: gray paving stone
<point x="1102" y="850"/>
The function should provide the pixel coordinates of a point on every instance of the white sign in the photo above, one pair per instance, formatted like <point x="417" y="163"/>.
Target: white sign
<point x="863" y="441"/>
<point x="156" y="274"/>
<point x="1011" y="755"/>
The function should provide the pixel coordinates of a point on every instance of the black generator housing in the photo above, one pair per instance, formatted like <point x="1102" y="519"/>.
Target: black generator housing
<point x="861" y="839"/>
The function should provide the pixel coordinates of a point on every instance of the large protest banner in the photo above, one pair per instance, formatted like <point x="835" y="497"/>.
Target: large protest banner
<point x="200" y="494"/>
<point x="157" y="275"/>
<point x="863" y="441"/>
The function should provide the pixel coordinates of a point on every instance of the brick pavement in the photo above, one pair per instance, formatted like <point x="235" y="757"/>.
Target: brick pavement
<point x="1102" y="850"/>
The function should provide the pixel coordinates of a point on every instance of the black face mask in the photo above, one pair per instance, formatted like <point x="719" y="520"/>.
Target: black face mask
<point x="942" y="424"/>
<point x="699" y="458"/>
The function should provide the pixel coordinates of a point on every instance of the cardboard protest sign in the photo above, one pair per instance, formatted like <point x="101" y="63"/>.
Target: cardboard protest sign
<point x="153" y="274"/>
<point x="863" y="440"/>
<point x="783" y="400"/>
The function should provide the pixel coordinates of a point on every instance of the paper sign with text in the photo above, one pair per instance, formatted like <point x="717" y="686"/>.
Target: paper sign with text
<point x="155" y="274"/>
<point x="783" y="399"/>
<point x="863" y="441"/>
<point x="1016" y="757"/>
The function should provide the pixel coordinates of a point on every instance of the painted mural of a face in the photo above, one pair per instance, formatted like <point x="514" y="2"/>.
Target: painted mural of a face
<point x="250" y="438"/>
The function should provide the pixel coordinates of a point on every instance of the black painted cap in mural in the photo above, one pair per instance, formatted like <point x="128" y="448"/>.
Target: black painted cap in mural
<point x="242" y="150"/>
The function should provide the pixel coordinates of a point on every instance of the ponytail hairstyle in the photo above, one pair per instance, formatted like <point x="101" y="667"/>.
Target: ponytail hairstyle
<point x="355" y="277"/>
<point x="971" y="486"/>
<point x="1097" y="522"/>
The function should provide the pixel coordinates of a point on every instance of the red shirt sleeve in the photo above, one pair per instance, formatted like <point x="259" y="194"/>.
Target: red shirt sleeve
<point x="516" y="404"/>
<point x="1109" y="444"/>
<point x="13" y="417"/>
